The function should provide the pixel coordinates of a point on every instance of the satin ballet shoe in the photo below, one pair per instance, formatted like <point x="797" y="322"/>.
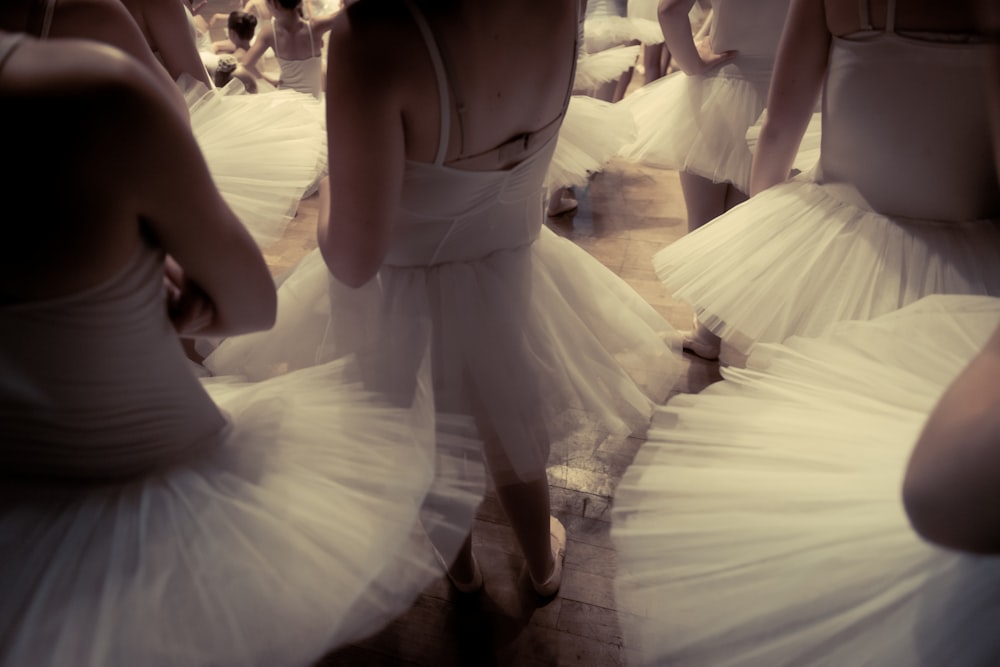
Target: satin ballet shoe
<point x="471" y="587"/>
<point x="557" y="536"/>
<point x="565" y="205"/>
<point x="701" y="342"/>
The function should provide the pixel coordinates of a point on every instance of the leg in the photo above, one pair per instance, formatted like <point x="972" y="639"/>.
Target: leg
<point x="704" y="199"/>
<point x="527" y="506"/>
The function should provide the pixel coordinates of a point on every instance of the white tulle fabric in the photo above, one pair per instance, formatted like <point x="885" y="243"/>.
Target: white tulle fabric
<point x="698" y="124"/>
<point x="595" y="69"/>
<point x="302" y="521"/>
<point x="800" y="255"/>
<point x="807" y="158"/>
<point x="545" y="340"/>
<point x="762" y="523"/>
<point x="264" y="151"/>
<point x="593" y="131"/>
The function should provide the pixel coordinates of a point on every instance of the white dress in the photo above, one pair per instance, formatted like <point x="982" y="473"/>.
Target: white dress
<point x="698" y="124"/>
<point x="147" y="518"/>
<point x="529" y="333"/>
<point x="917" y="215"/>
<point x="762" y="522"/>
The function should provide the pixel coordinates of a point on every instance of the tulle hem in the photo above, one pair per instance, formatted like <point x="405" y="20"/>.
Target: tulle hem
<point x="800" y="256"/>
<point x="762" y="522"/>
<point x="308" y="527"/>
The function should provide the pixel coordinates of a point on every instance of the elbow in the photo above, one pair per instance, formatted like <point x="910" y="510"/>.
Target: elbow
<point x="353" y="269"/>
<point x="942" y="515"/>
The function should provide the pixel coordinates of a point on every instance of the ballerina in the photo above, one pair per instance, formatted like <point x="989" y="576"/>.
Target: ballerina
<point x="761" y="523"/>
<point x="149" y="518"/>
<point x="918" y="215"/>
<point x="297" y="44"/>
<point x="433" y="214"/>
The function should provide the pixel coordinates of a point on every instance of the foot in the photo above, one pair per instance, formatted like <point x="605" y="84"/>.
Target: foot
<point x="701" y="342"/>
<point x="557" y="537"/>
<point x="464" y="581"/>
<point x="562" y="205"/>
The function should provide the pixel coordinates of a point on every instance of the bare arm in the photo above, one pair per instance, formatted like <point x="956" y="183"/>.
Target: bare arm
<point x="264" y="41"/>
<point x="952" y="485"/>
<point x="109" y="22"/>
<point x="169" y="31"/>
<point x="798" y="78"/>
<point x="186" y="216"/>
<point x="367" y="154"/>
<point x="691" y="56"/>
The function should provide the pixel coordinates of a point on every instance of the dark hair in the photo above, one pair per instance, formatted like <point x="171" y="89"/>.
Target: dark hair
<point x="289" y="4"/>
<point x="243" y="24"/>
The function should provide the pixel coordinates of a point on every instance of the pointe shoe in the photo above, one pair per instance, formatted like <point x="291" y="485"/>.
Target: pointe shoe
<point x="701" y="342"/>
<point x="471" y="587"/>
<point x="557" y="537"/>
<point x="564" y="205"/>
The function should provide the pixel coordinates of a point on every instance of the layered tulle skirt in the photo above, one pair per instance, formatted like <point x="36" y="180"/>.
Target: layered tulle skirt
<point x="308" y="526"/>
<point x="595" y="69"/>
<point x="592" y="132"/>
<point x="264" y="151"/>
<point x="534" y="342"/>
<point x="801" y="255"/>
<point x="698" y="124"/>
<point x="762" y="522"/>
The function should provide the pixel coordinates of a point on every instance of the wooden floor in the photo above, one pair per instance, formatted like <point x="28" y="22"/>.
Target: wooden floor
<point x="625" y="216"/>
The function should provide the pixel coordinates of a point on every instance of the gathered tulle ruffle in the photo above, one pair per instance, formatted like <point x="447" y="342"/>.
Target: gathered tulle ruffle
<point x="762" y="522"/>
<point x="592" y="132"/>
<point x="264" y="151"/>
<point x="800" y="256"/>
<point x="595" y="69"/>
<point x="309" y="527"/>
<point x="536" y="341"/>
<point x="605" y="32"/>
<point x="698" y="124"/>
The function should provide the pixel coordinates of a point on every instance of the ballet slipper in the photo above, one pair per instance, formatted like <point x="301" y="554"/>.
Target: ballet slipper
<point x="564" y="205"/>
<point x="701" y="342"/>
<point x="557" y="536"/>
<point x="471" y="587"/>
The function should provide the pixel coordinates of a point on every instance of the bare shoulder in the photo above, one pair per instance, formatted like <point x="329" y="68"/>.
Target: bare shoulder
<point x="68" y="67"/>
<point x="359" y="35"/>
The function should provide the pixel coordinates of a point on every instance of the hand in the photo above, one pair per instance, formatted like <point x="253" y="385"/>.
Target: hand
<point x="188" y="306"/>
<point x="709" y="58"/>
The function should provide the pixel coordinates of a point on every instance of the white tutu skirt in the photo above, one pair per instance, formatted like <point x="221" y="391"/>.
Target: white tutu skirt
<point x="602" y="32"/>
<point x="698" y="124"/>
<point x="264" y="151"/>
<point x="801" y="255"/>
<point x="305" y="528"/>
<point x="536" y="342"/>
<point x="592" y="132"/>
<point x="595" y="69"/>
<point x="762" y="522"/>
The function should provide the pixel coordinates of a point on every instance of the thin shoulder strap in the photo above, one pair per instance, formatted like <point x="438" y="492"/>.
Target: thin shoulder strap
<point x="864" y="15"/>
<point x="40" y="14"/>
<point x="890" y="17"/>
<point x="441" y="74"/>
<point x="50" y="9"/>
<point x="8" y="42"/>
<point x="274" y="33"/>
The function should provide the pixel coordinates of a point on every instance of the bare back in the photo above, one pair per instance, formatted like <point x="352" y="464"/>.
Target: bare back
<point x="927" y="16"/>
<point x="509" y="65"/>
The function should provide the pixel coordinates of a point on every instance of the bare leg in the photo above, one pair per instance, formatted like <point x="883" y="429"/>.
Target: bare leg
<point x="527" y="506"/>
<point x="704" y="199"/>
<point x="622" y="86"/>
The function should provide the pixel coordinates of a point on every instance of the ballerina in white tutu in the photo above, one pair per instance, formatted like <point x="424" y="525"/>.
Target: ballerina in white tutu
<point x="434" y="214"/>
<point x="762" y="522"/>
<point x="903" y="203"/>
<point x="696" y="120"/>
<point x="148" y="518"/>
<point x="297" y="43"/>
